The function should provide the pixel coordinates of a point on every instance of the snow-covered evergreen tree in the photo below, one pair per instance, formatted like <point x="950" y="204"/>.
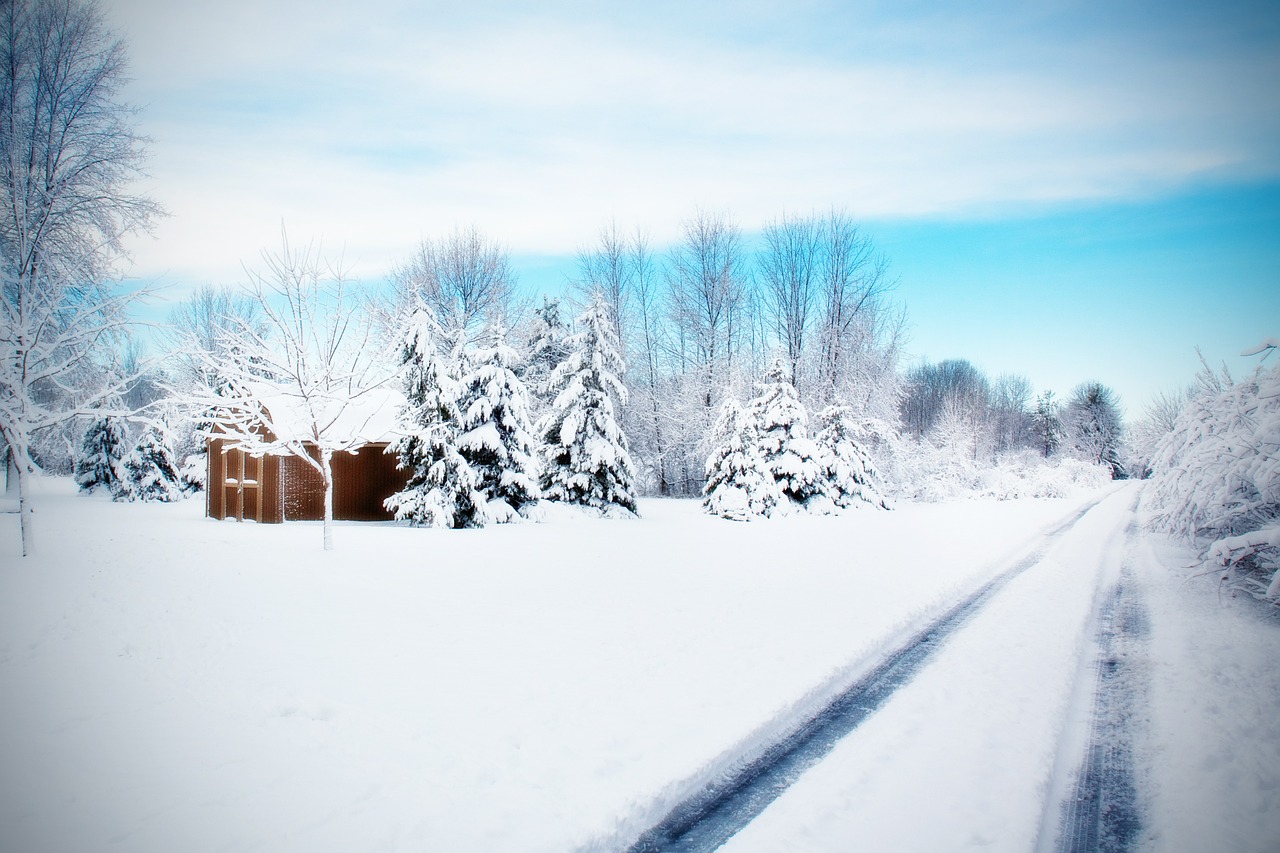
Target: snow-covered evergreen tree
<point x="850" y="476"/>
<point x="1093" y="424"/>
<point x="496" y="436"/>
<point x="585" y="457"/>
<point x="101" y="452"/>
<point x="1046" y="424"/>
<point x="739" y="486"/>
<point x="781" y="422"/>
<point x="443" y="490"/>
<point x="547" y="348"/>
<point x="149" y="471"/>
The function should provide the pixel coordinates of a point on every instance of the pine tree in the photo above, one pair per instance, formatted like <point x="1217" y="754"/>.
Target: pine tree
<point x="1046" y="425"/>
<point x="585" y="457"/>
<point x="780" y="421"/>
<point x="100" y="458"/>
<point x="496" y="437"/>
<point x="850" y="476"/>
<point x="443" y="490"/>
<point x="149" y="472"/>
<point x="739" y="486"/>
<point x="547" y="348"/>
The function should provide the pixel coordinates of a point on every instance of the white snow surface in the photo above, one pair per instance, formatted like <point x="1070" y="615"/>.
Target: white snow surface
<point x="168" y="682"/>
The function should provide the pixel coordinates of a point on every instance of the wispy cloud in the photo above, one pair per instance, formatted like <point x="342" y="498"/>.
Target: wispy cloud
<point x="538" y="126"/>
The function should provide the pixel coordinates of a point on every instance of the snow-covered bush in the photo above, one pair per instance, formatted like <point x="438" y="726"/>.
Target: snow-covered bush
<point x="739" y="485"/>
<point x="148" y="471"/>
<point x="496" y="436"/>
<point x="1216" y="476"/>
<point x="101" y="452"/>
<point x="193" y="473"/>
<point x="443" y="490"/>
<point x="585" y="456"/>
<point x="849" y="477"/>
<point x="923" y="471"/>
<point x="781" y="423"/>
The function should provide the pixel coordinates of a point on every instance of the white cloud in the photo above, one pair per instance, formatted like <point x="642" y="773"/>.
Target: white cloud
<point x="538" y="128"/>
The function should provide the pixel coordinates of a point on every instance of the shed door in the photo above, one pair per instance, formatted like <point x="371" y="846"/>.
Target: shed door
<point x="242" y="487"/>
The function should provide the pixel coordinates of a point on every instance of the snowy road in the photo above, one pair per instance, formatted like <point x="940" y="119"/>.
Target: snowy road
<point x="983" y="734"/>
<point x="171" y="683"/>
<point x="713" y="815"/>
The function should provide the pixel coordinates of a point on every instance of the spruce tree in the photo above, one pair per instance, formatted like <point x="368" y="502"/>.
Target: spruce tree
<point x="547" y="348"/>
<point x="101" y="452"/>
<point x="781" y="422"/>
<point x="585" y="457"/>
<point x="443" y="490"/>
<point x="738" y="486"/>
<point x="849" y="475"/>
<point x="496" y="435"/>
<point x="149" y="472"/>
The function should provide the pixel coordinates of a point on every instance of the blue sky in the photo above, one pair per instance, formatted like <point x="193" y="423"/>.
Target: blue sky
<point x="1066" y="190"/>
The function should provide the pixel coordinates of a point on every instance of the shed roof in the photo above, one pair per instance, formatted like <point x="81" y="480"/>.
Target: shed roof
<point x="368" y="417"/>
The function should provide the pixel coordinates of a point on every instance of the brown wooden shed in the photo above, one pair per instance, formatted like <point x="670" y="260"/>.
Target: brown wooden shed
<point x="277" y="487"/>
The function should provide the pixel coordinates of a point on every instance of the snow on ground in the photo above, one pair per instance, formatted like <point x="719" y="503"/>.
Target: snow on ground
<point x="173" y="683"/>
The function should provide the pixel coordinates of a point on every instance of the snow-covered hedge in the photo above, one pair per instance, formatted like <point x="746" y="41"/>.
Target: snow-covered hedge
<point x="1216" y="478"/>
<point x="923" y="471"/>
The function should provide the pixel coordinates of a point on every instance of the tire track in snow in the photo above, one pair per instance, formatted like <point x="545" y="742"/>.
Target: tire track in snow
<point x="1103" y="812"/>
<point x="714" y="813"/>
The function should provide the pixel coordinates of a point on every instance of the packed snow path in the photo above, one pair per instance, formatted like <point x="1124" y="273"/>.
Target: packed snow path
<point x="711" y="816"/>
<point x="986" y="739"/>
<point x="1104" y="812"/>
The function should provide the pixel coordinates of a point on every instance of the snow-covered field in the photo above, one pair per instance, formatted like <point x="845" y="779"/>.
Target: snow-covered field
<point x="173" y="683"/>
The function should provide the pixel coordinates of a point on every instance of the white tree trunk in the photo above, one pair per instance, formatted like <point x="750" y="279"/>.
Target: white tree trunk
<point x="24" y="509"/>
<point x="326" y="468"/>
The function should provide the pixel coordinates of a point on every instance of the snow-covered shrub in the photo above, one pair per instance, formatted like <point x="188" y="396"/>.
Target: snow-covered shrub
<point x="443" y="490"/>
<point x="849" y="477"/>
<point x="1027" y="474"/>
<point x="739" y="485"/>
<point x="148" y="471"/>
<point x="101" y="452"/>
<point x="585" y="456"/>
<point x="496" y="436"/>
<point x="193" y="473"/>
<point x="781" y="424"/>
<point x="1216" y="477"/>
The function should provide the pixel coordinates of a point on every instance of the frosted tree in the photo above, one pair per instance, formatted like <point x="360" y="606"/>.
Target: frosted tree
<point x="1216" y="475"/>
<point x="496" y="435"/>
<point x="101" y="452"/>
<point x="68" y="153"/>
<point x="1092" y="424"/>
<point x="317" y="352"/>
<point x="781" y="422"/>
<point x="443" y="490"/>
<point x="1046" y="425"/>
<point x="149" y="471"/>
<point x="547" y="348"/>
<point x="850" y="478"/>
<point x="584" y="455"/>
<point x="739" y="485"/>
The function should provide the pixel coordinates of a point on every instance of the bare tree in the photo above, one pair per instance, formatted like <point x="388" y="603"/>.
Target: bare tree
<point x="312" y="355"/>
<point x="860" y="333"/>
<point x="706" y="274"/>
<point x="199" y="327"/>
<point x="68" y="151"/>
<point x="609" y="269"/>
<point x="464" y="278"/>
<point x="789" y="266"/>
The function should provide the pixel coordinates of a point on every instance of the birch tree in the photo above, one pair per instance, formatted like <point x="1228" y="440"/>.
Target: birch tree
<point x="68" y="153"/>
